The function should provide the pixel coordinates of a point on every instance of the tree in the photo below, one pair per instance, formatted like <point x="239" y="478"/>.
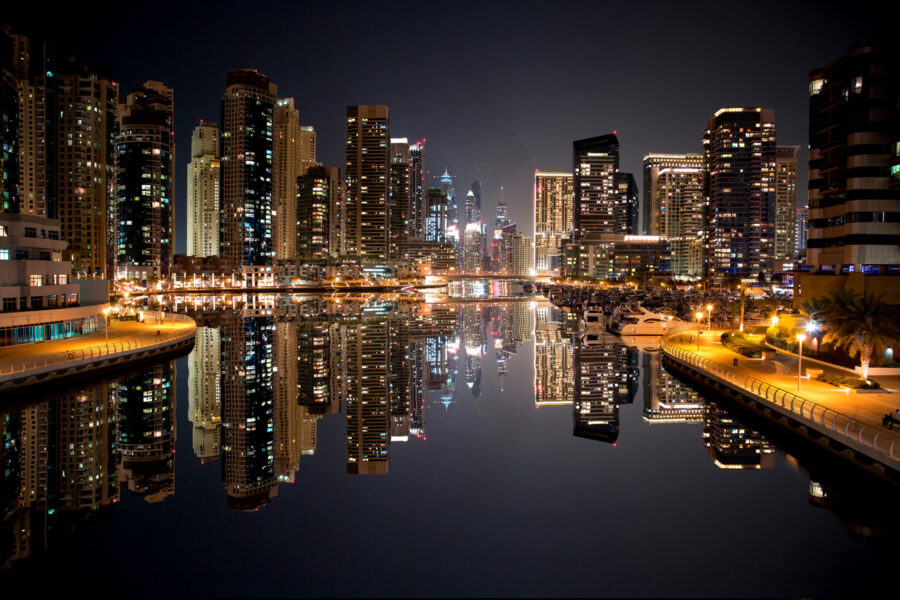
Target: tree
<point x="813" y="313"/>
<point x="860" y="324"/>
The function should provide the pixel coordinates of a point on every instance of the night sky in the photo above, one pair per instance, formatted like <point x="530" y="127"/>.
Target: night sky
<point x="499" y="89"/>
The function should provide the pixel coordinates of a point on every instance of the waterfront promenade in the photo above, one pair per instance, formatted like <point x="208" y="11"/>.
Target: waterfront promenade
<point x="849" y="417"/>
<point x="126" y="341"/>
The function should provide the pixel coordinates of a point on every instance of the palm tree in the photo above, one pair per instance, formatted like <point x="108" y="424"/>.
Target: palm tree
<point x="860" y="324"/>
<point x="813" y="313"/>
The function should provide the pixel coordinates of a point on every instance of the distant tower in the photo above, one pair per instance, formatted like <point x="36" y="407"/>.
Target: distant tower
<point x="368" y="172"/>
<point x="399" y="196"/>
<point x="417" y="189"/>
<point x="627" y="204"/>
<point x="502" y="211"/>
<point x="785" y="207"/>
<point x="287" y="165"/>
<point x="436" y="216"/>
<point x="247" y="168"/>
<point x="552" y="217"/>
<point x="203" y="192"/>
<point x="145" y="152"/>
<point x="450" y="193"/>
<point x="473" y="203"/>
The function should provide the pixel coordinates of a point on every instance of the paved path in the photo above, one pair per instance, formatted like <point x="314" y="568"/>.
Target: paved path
<point x="119" y="331"/>
<point x="781" y="371"/>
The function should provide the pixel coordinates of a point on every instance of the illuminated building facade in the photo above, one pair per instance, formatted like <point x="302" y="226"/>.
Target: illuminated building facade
<point x="522" y="256"/>
<point x="450" y="193"/>
<point x="785" y="207"/>
<point x="595" y="165"/>
<point x="247" y="169"/>
<point x="739" y="155"/>
<point x="854" y="163"/>
<point x="367" y="222"/>
<point x="368" y="407"/>
<point x="417" y="189"/>
<point x="436" y="216"/>
<point x="318" y="196"/>
<point x="627" y="204"/>
<point x="655" y="205"/>
<point x="145" y="184"/>
<point x="399" y="196"/>
<point x="732" y="445"/>
<point x="203" y="192"/>
<point x="287" y="166"/>
<point x="680" y="215"/>
<point x="552" y="218"/>
<point x="205" y="393"/>
<point x="554" y="373"/>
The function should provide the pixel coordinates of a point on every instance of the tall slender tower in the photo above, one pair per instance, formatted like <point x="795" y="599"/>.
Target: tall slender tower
<point x="9" y="129"/>
<point x="595" y="163"/>
<point x="399" y="196"/>
<point x="739" y="153"/>
<point x="552" y="217"/>
<point x="785" y="207"/>
<point x="680" y="214"/>
<point x="318" y="197"/>
<point x="247" y="168"/>
<point x="288" y="165"/>
<point x="417" y="189"/>
<point x="203" y="192"/>
<point x="368" y="172"/>
<point x="145" y="183"/>
<point x="450" y="192"/>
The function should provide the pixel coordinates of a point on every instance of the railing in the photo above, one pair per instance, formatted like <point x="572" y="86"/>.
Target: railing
<point x="841" y="424"/>
<point x="75" y="356"/>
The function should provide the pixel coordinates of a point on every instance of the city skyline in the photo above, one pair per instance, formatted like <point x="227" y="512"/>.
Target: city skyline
<point x="466" y="135"/>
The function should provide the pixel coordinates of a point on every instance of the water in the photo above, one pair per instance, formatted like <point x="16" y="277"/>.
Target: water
<point x="515" y="461"/>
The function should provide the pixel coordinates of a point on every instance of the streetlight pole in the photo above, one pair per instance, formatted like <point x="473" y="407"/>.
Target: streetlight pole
<point x="699" y="317"/>
<point x="800" y="338"/>
<point x="106" y="328"/>
<point x="709" y="318"/>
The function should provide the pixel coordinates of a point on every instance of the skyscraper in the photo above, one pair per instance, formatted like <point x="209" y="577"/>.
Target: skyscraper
<point x="9" y="129"/>
<point x="145" y="183"/>
<point x="552" y="218"/>
<point x="854" y="163"/>
<point x="368" y="407"/>
<point x="522" y="256"/>
<point x="785" y="207"/>
<point x="399" y="196"/>
<point x="318" y="195"/>
<point x="247" y="168"/>
<point x="739" y="154"/>
<point x="472" y="248"/>
<point x="595" y="163"/>
<point x="503" y="211"/>
<point x="367" y="174"/>
<point x="679" y="213"/>
<point x="288" y="165"/>
<point x="655" y="206"/>
<point x="473" y="203"/>
<point x="450" y="193"/>
<point x="627" y="204"/>
<point x="417" y="189"/>
<point x="203" y="192"/>
<point x="435" y="215"/>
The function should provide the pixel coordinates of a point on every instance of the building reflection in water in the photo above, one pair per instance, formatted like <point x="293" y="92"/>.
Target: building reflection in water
<point x="265" y="371"/>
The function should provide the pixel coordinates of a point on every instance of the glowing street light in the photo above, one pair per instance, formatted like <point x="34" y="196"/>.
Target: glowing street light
<point x="699" y="317"/>
<point x="800" y="338"/>
<point x="709" y="319"/>
<point x="106" y="329"/>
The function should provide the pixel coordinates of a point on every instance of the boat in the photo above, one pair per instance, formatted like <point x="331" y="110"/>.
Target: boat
<point x="644" y="322"/>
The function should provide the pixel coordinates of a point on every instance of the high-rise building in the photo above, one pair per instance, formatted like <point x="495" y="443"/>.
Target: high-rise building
<point x="450" y="193"/>
<point x="247" y="168"/>
<point x="503" y="211"/>
<point x="368" y="407"/>
<point x="318" y="196"/>
<point x="307" y="143"/>
<point x="9" y="129"/>
<point x="507" y="234"/>
<point x="203" y="192"/>
<point x="145" y="184"/>
<point x="655" y="206"/>
<point x="627" y="204"/>
<point x="553" y="368"/>
<point x="435" y="215"/>
<point x="595" y="164"/>
<point x="802" y="228"/>
<point x="854" y="163"/>
<point x="552" y="218"/>
<point x="785" y="207"/>
<point x="472" y="248"/>
<point x="417" y="189"/>
<point x="679" y="213"/>
<point x="522" y="256"/>
<point x="367" y="174"/>
<point x="205" y="393"/>
<point x="739" y="154"/>
<point x="399" y="196"/>
<point x="287" y="166"/>
<point x="473" y="203"/>
<point x="87" y="100"/>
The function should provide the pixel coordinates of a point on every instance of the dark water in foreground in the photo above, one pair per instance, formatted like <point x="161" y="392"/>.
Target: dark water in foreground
<point x="372" y="448"/>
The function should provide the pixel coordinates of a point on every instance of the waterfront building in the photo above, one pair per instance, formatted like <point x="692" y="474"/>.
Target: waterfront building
<point x="450" y="193"/>
<point x="679" y="213"/>
<point x="739" y="157"/>
<point x="39" y="300"/>
<point x="400" y="190"/>
<point x="618" y="257"/>
<point x="595" y="165"/>
<point x="367" y="174"/>
<point x="785" y="207"/>
<point x="552" y="218"/>
<point x="287" y="165"/>
<point x="472" y="248"/>
<point x="417" y="189"/>
<point x="627" y="204"/>
<point x="247" y="169"/>
<point x="436" y="215"/>
<point x="318" y="233"/>
<point x="203" y="192"/>
<point x="205" y="393"/>
<point x="656" y="205"/>
<point x="854" y="166"/>
<point x="145" y="438"/>
<point x="666" y="398"/>
<point x="145" y="184"/>
<point x="522" y="256"/>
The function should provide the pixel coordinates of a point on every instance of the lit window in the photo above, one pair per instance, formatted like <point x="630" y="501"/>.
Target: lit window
<point x="815" y="86"/>
<point x="857" y="85"/>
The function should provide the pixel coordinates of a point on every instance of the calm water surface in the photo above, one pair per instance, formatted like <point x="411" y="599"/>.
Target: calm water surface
<point x="379" y="447"/>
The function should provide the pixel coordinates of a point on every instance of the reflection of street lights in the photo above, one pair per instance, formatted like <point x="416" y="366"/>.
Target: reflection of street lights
<point x="106" y="329"/>
<point x="709" y="319"/>
<point x="800" y="338"/>
<point x="699" y="316"/>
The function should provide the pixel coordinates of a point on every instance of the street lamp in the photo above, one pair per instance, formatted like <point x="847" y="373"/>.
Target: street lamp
<point x="699" y="317"/>
<point x="106" y="329"/>
<point x="709" y="320"/>
<point x="800" y="338"/>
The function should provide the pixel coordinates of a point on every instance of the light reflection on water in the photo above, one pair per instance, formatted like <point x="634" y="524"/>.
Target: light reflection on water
<point x="276" y="384"/>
